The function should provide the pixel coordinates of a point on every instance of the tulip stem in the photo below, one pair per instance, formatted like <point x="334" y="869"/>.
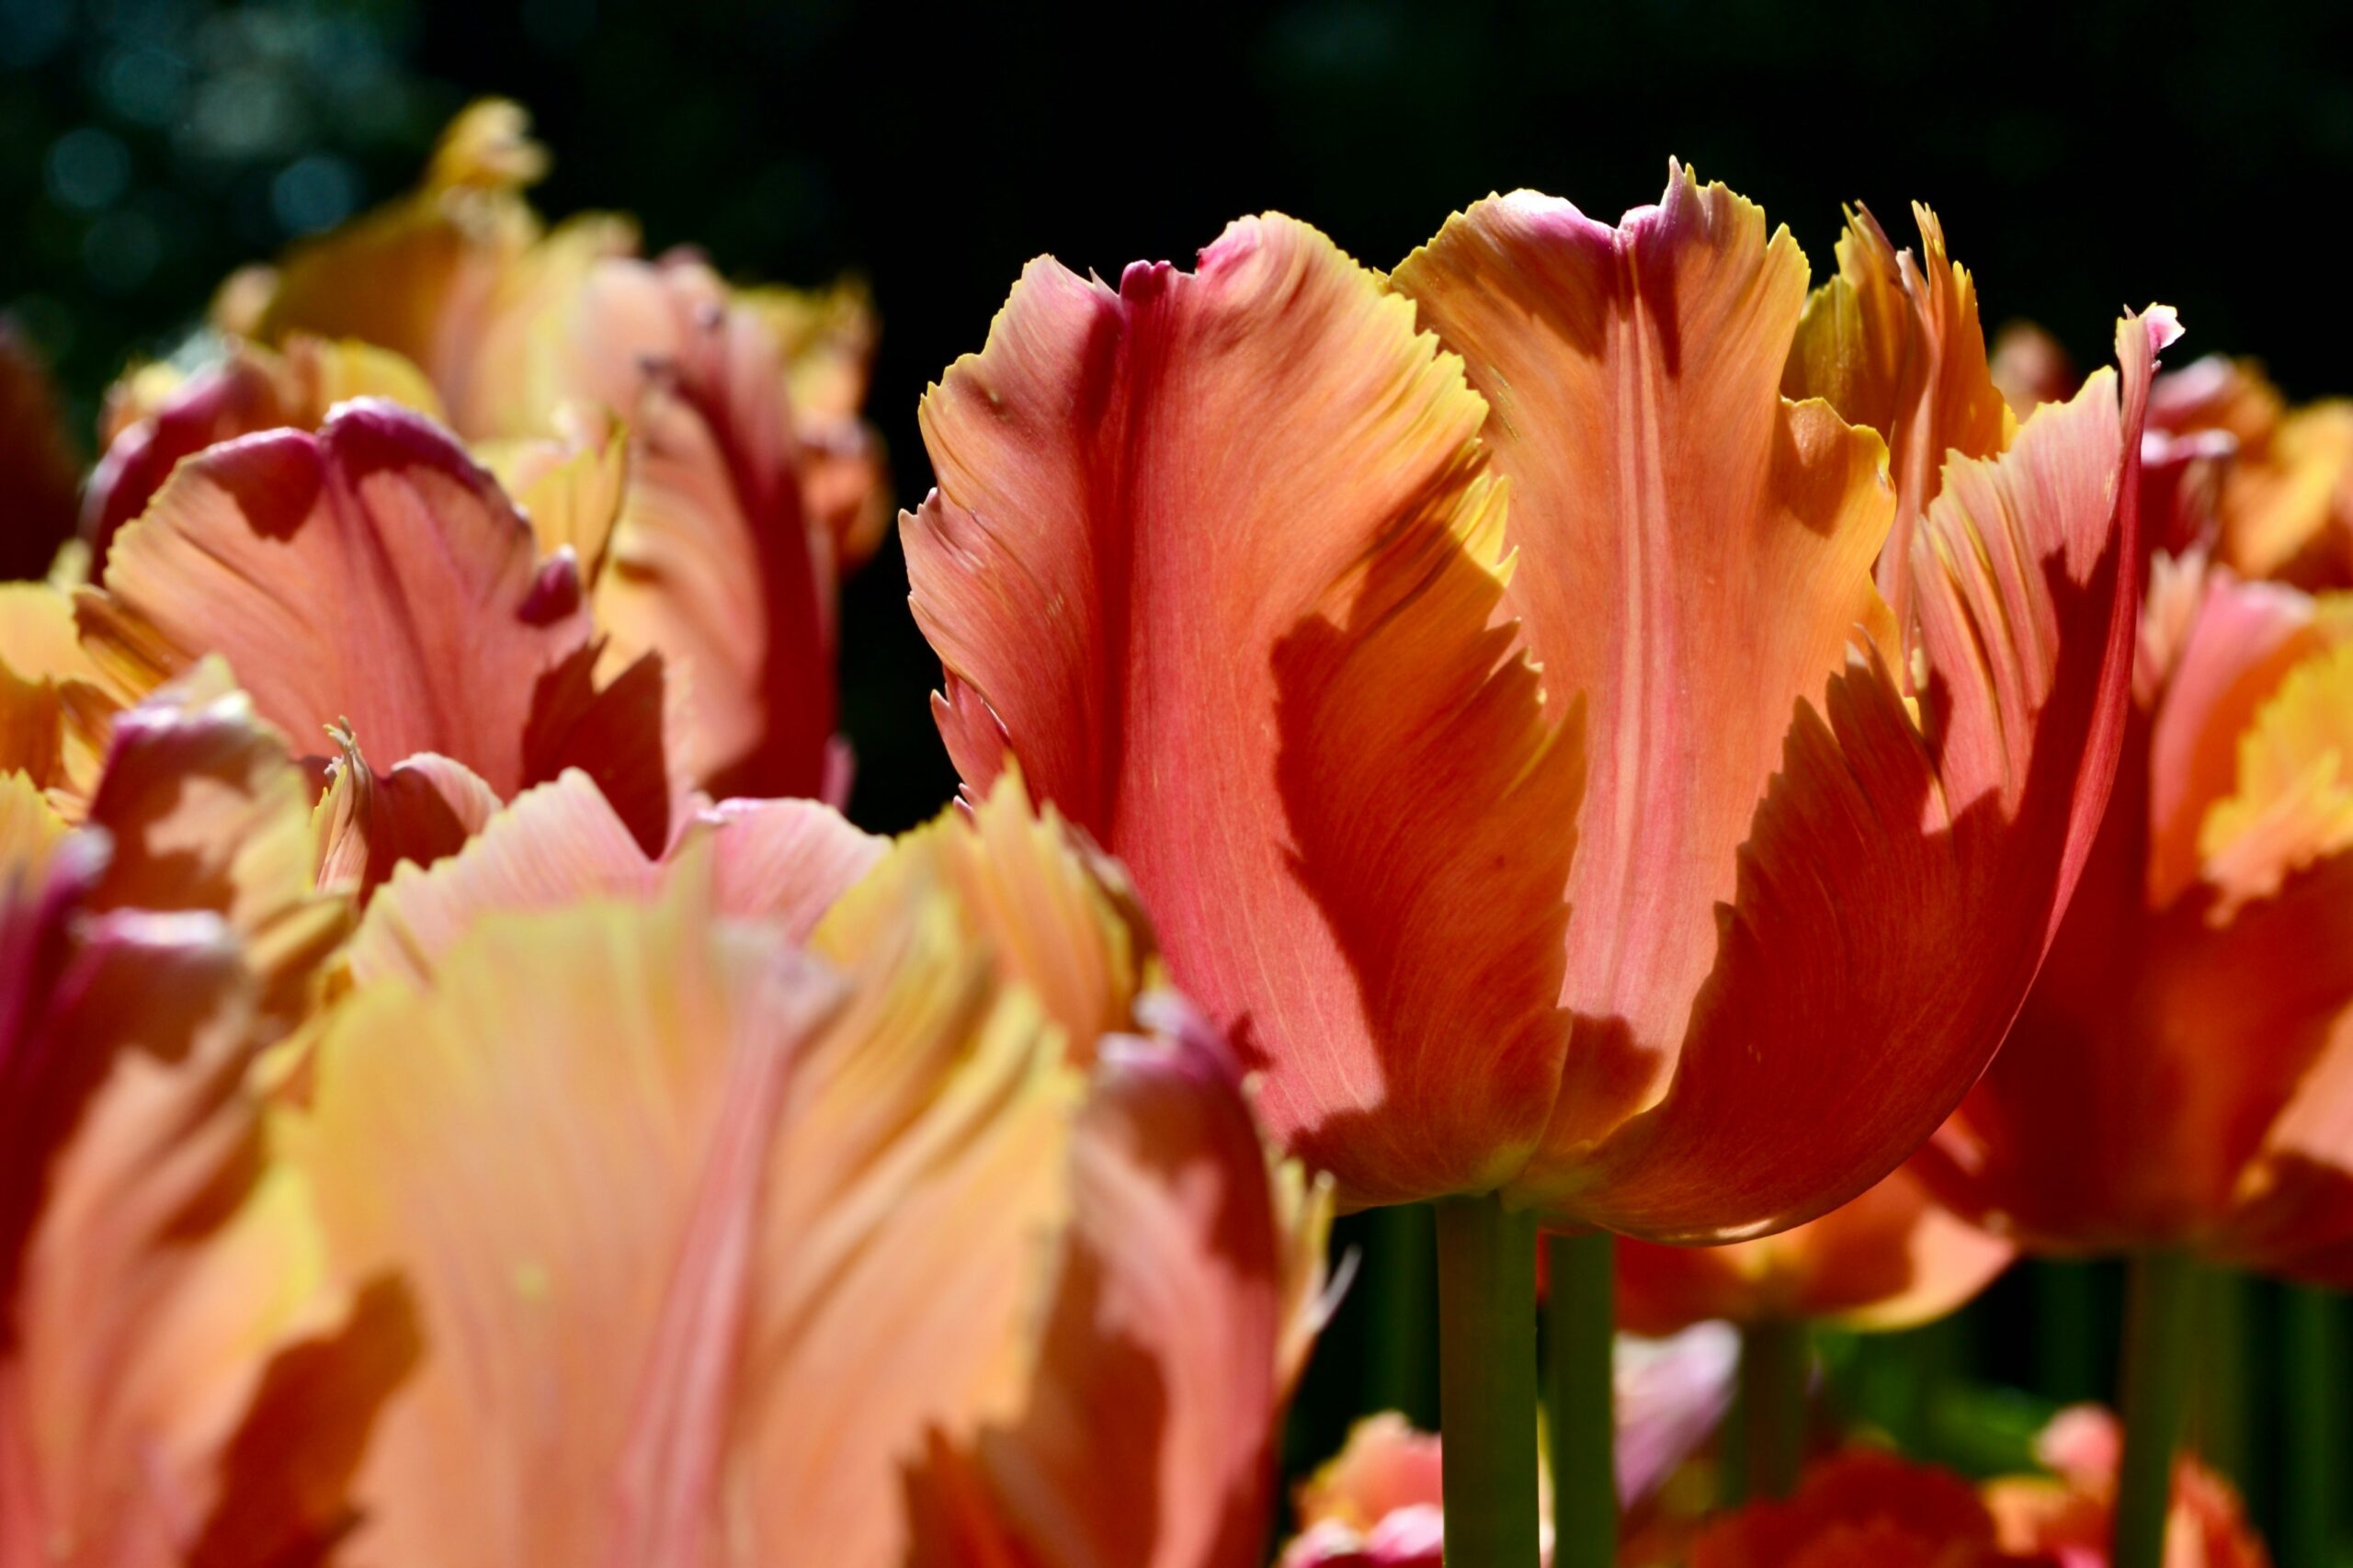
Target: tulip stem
<point x="1486" y="1321"/>
<point x="1774" y="1365"/>
<point x="2160" y="1334"/>
<point x="2313" y="1367"/>
<point x="1580" y="1322"/>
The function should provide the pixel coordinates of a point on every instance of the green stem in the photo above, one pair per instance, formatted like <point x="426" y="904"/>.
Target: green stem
<point x="2316" y="1460"/>
<point x="2220" y="1421"/>
<point x="2160" y="1334"/>
<point x="1580" y="1325"/>
<point x="1773" y="1365"/>
<point x="1487" y="1324"/>
<point x="2066" y="1331"/>
<point x="1399" y="1374"/>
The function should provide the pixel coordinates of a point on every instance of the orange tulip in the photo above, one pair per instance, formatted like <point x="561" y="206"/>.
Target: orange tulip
<point x="2180" y="1076"/>
<point x="744" y="482"/>
<point x="2284" y="505"/>
<point x="371" y="581"/>
<point x="1893" y="1258"/>
<point x="722" y="1250"/>
<point x="1222" y="559"/>
<point x="178" y="1383"/>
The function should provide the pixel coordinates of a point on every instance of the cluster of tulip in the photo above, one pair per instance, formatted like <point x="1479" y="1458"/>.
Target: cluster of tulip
<point x="1578" y="730"/>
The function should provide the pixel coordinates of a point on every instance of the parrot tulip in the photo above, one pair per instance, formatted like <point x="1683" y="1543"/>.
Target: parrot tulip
<point x="2179" y="1079"/>
<point x="742" y="482"/>
<point x="178" y="1383"/>
<point x="722" y="1250"/>
<point x="1221" y="558"/>
<point x="373" y="582"/>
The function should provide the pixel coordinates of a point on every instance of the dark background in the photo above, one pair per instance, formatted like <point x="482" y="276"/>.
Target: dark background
<point x="2085" y="156"/>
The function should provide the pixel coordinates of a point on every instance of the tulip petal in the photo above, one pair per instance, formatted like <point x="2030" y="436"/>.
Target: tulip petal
<point x="1696" y="560"/>
<point x="1895" y="345"/>
<point x="207" y="812"/>
<point x="1211" y="557"/>
<point x="1891" y="1258"/>
<point x="2239" y="642"/>
<point x="159" y="1283"/>
<point x="1147" y="1441"/>
<point x="370" y="575"/>
<point x="1860" y="918"/>
<point x="2294" y="803"/>
<point x="785" y="862"/>
<point x="713" y="560"/>
<point x="559" y="1261"/>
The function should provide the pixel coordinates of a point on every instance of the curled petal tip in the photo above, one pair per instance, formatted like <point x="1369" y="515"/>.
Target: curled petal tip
<point x="2163" y="324"/>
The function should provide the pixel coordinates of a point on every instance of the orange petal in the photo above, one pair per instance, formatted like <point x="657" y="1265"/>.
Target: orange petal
<point x="207" y="812"/>
<point x="781" y="860"/>
<point x="160" y="1292"/>
<point x="714" y="561"/>
<point x="39" y="472"/>
<point x="2237" y="643"/>
<point x="1860" y="913"/>
<point x="2176" y="1070"/>
<point x="570" y="486"/>
<point x="827" y="338"/>
<point x="1168" y="1301"/>
<point x="154" y="422"/>
<point x="1213" y="558"/>
<point x="561" y="1263"/>
<point x="1695" y="559"/>
<point x="1895" y="345"/>
<point x="1891" y="1258"/>
<point x="370" y="575"/>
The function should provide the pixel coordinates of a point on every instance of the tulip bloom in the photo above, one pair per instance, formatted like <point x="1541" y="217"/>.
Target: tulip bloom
<point x="718" y="1246"/>
<point x="177" y="1383"/>
<point x="371" y="581"/>
<point x="744" y="481"/>
<point x="1220" y="559"/>
<point x="2285" y="507"/>
<point x="2179" y="1078"/>
<point x="1891" y="1259"/>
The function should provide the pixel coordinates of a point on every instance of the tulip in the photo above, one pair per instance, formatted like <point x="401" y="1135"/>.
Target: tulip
<point x="749" y="482"/>
<point x="177" y="1381"/>
<point x="2175" y="1088"/>
<point x="2285" y="508"/>
<point x="1891" y="1259"/>
<point x="723" y="1247"/>
<point x="373" y="582"/>
<point x="1221" y="560"/>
